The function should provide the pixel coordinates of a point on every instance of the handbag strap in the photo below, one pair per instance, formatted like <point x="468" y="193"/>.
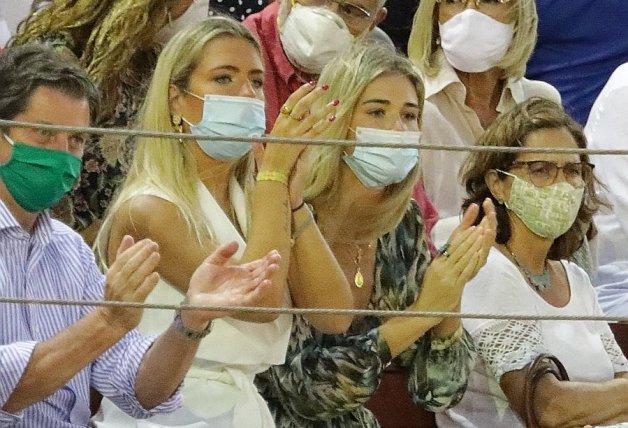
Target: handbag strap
<point x="542" y="365"/>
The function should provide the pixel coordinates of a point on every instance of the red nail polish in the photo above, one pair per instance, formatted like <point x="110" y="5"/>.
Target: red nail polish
<point x="325" y="87"/>
<point x="335" y="103"/>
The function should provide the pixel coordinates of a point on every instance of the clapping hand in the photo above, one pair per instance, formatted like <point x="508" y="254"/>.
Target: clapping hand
<point x="130" y="278"/>
<point x="215" y="283"/>
<point x="298" y="119"/>
<point x="459" y="260"/>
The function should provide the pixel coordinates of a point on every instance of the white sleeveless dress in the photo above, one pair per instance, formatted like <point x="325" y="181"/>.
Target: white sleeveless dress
<point x="218" y="390"/>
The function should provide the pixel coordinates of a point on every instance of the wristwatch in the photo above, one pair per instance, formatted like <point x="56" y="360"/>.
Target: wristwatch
<point x="190" y="334"/>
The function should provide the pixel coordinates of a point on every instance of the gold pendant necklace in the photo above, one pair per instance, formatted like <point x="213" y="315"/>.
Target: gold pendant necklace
<point x="358" y="279"/>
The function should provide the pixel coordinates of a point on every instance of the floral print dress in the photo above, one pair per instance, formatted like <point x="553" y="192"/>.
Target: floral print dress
<point x="106" y="158"/>
<point x="327" y="379"/>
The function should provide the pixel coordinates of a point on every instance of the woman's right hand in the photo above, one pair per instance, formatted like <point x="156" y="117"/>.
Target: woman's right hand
<point x="465" y="254"/>
<point x="297" y="120"/>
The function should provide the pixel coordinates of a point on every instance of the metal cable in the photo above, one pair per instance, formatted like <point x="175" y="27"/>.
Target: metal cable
<point x="311" y="142"/>
<point x="317" y="311"/>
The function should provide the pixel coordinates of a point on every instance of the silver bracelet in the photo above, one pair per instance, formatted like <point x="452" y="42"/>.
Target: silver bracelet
<point x="190" y="334"/>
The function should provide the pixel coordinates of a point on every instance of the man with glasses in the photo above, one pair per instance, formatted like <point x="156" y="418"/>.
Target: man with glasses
<point x="300" y="36"/>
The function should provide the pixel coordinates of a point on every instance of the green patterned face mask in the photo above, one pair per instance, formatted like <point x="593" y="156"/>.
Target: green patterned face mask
<point x="547" y="211"/>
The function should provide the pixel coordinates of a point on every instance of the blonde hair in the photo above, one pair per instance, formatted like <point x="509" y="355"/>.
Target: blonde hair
<point x="112" y="39"/>
<point x="348" y="76"/>
<point x="168" y="164"/>
<point x="423" y="44"/>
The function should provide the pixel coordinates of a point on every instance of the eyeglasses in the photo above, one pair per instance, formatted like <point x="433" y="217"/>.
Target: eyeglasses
<point x="481" y="5"/>
<point x="544" y="173"/>
<point x="349" y="12"/>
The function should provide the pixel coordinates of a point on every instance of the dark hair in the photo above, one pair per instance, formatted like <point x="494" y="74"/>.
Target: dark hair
<point x="511" y="130"/>
<point x="25" y="68"/>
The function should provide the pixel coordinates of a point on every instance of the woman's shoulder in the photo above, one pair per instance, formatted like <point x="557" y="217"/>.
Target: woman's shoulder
<point x="147" y="208"/>
<point x="578" y="278"/>
<point x="411" y="225"/>
<point x="406" y="241"/>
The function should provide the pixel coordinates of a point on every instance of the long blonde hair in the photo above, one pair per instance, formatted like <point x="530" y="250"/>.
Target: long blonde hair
<point x="168" y="164"/>
<point x="112" y="39"/>
<point x="423" y="44"/>
<point x="348" y="76"/>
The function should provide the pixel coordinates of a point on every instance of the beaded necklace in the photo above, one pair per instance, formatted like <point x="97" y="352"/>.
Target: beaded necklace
<point x="540" y="282"/>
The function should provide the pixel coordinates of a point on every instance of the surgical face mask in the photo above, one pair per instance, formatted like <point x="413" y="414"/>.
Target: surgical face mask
<point x="312" y="36"/>
<point x="474" y="42"/>
<point x="382" y="166"/>
<point x="229" y="116"/>
<point x="37" y="178"/>
<point x="547" y="211"/>
<point x="194" y="14"/>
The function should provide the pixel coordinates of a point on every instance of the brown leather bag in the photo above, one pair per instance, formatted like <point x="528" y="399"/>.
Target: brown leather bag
<point x="542" y="365"/>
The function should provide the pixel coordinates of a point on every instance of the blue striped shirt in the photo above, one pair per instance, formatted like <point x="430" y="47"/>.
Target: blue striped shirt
<point x="53" y="262"/>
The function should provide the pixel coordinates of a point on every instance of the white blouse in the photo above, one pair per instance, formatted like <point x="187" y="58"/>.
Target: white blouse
<point x="587" y="349"/>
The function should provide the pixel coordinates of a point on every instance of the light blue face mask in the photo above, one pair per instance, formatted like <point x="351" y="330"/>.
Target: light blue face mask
<point x="230" y="117"/>
<point x="383" y="166"/>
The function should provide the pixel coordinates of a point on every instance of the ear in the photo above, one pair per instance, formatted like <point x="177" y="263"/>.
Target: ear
<point x="5" y="148"/>
<point x="498" y="187"/>
<point x="379" y="17"/>
<point x="174" y="99"/>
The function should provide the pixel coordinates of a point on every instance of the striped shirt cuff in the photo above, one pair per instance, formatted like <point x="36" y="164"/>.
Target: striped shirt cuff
<point x="13" y="361"/>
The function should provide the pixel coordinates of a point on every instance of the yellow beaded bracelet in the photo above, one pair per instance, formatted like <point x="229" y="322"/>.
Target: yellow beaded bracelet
<point x="272" y="176"/>
<point x="439" y="344"/>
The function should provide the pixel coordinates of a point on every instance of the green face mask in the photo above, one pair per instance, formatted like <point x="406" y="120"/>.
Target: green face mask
<point x="37" y="178"/>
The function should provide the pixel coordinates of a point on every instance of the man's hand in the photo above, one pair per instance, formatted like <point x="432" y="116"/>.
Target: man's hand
<point x="130" y="279"/>
<point x="214" y="283"/>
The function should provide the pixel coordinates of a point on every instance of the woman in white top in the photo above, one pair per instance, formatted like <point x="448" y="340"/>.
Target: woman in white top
<point x="191" y="195"/>
<point x="544" y="201"/>
<point x="472" y="56"/>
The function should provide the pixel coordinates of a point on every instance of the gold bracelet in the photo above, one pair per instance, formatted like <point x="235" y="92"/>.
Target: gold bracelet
<point x="272" y="176"/>
<point x="298" y="231"/>
<point x="440" y="344"/>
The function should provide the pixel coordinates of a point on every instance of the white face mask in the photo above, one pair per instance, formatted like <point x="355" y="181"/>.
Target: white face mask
<point x="474" y="42"/>
<point x="312" y="36"/>
<point x="382" y="166"/>
<point x="196" y="13"/>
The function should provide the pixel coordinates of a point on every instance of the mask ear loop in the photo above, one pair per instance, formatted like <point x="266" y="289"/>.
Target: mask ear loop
<point x="9" y="139"/>
<point x="193" y="94"/>
<point x="12" y="143"/>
